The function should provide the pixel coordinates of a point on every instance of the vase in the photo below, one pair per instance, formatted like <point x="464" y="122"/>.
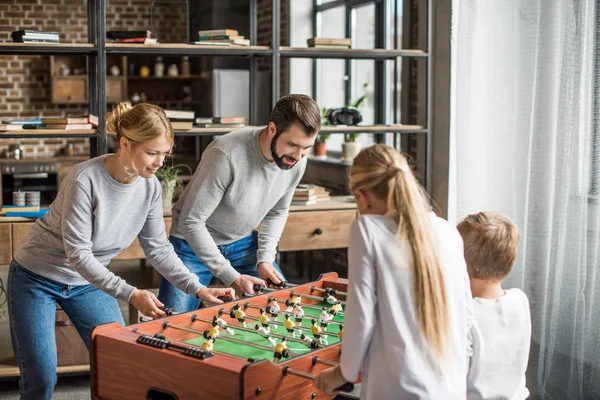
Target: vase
<point x="350" y="150"/>
<point x="320" y="149"/>
<point x="167" y="197"/>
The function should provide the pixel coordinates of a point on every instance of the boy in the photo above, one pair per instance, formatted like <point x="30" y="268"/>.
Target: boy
<point x="498" y="342"/>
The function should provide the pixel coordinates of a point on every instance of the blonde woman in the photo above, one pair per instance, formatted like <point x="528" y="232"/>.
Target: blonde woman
<point x="407" y="312"/>
<point x="102" y="206"/>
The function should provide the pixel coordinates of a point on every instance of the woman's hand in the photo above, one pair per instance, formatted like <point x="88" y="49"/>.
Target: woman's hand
<point x="147" y="303"/>
<point x="329" y="380"/>
<point x="212" y="294"/>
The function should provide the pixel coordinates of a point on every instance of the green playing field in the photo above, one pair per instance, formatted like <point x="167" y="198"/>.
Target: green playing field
<point x="247" y="351"/>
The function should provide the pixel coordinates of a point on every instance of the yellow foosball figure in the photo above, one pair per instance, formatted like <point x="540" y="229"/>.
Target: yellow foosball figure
<point x="341" y="331"/>
<point x="264" y="320"/>
<point x="335" y="309"/>
<point x="316" y="331"/>
<point x="289" y="325"/>
<point x="212" y="333"/>
<point x="291" y="303"/>
<point x="239" y="314"/>
<point x="208" y="345"/>
<point x="281" y="350"/>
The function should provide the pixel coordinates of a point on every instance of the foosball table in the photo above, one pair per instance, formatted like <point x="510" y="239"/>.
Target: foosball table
<point x="267" y="346"/>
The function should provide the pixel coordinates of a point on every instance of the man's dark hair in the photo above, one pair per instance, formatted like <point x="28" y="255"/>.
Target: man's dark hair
<point x="297" y="108"/>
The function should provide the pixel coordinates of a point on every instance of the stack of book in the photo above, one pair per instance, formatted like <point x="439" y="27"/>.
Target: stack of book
<point x="221" y="37"/>
<point x="71" y="123"/>
<point x="131" y="37"/>
<point x="307" y="194"/>
<point x="221" y="122"/>
<point x="26" y="211"/>
<point x="27" y="36"/>
<point x="329" y="43"/>
<point x="181" y="120"/>
<point x="20" y="124"/>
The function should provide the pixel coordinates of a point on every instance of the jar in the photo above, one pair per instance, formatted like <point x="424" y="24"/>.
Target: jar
<point x="159" y="68"/>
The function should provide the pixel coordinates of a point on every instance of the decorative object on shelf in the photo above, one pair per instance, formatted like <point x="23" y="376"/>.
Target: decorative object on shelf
<point x="350" y="148"/>
<point x="144" y="72"/>
<point x="115" y="70"/>
<point x="173" y="71"/>
<point x="159" y="67"/>
<point x="185" y="66"/>
<point x="19" y="198"/>
<point x="320" y="148"/>
<point x="135" y="98"/>
<point x="344" y="116"/>
<point x="64" y="70"/>
<point x="143" y="97"/>
<point x="15" y="151"/>
<point x="32" y="198"/>
<point x="168" y="176"/>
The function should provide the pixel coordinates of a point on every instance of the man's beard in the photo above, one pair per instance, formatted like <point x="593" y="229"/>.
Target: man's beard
<point x="279" y="159"/>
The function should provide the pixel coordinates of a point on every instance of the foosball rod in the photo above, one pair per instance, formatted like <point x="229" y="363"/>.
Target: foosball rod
<point x="346" y="387"/>
<point x="308" y="296"/>
<point x="136" y="330"/>
<point x="167" y="324"/>
<point x="330" y="291"/>
<point x="195" y="318"/>
<point x="303" y="305"/>
<point x="317" y="359"/>
<point x="250" y="305"/>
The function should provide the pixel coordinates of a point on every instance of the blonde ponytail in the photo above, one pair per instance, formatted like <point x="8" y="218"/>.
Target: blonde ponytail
<point x="385" y="173"/>
<point x="140" y="123"/>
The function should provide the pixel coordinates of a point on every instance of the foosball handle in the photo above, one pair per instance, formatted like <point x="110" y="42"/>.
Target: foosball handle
<point x="259" y="288"/>
<point x="282" y="284"/>
<point x="346" y="387"/>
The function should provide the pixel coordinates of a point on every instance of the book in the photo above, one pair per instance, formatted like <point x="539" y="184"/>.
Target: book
<point x="201" y="120"/>
<point x="29" y="214"/>
<point x="181" y="125"/>
<point x="218" y="32"/>
<point x="220" y="37"/>
<point x="303" y="202"/>
<point x="69" y="126"/>
<point x="240" y="42"/>
<point x="32" y="121"/>
<point x="309" y="188"/>
<point x="210" y="43"/>
<point x="130" y="40"/>
<point x="11" y="127"/>
<point x="329" y="46"/>
<point x="70" y="120"/>
<point x="22" y="35"/>
<point x="37" y="41"/>
<point x="180" y="114"/>
<point x="151" y="41"/>
<point x="10" y="208"/>
<point x="128" y="34"/>
<point x="229" y="120"/>
<point x="221" y="125"/>
<point x="317" y="40"/>
<point x="302" y="197"/>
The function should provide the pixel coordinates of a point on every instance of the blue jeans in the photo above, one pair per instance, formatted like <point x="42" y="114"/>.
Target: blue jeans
<point x="241" y="254"/>
<point x="31" y="309"/>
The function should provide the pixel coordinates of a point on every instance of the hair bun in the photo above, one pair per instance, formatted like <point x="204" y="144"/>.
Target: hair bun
<point x="113" y="118"/>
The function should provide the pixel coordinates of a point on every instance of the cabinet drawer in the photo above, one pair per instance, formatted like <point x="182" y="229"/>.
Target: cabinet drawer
<point x="19" y="231"/>
<point x="317" y="230"/>
<point x="115" y="89"/>
<point x="69" y="90"/>
<point x="5" y="243"/>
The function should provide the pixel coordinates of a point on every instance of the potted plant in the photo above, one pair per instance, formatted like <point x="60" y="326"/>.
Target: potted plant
<point x="350" y="148"/>
<point x="320" y="149"/>
<point x="169" y="179"/>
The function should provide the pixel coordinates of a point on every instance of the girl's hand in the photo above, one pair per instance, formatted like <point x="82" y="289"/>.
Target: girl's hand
<point x="147" y="303"/>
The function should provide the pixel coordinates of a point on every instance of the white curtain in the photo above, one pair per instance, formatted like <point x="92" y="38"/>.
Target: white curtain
<point x="525" y="143"/>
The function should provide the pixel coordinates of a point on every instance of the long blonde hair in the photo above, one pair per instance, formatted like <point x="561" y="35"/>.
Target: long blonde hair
<point x="138" y="124"/>
<point x="385" y="173"/>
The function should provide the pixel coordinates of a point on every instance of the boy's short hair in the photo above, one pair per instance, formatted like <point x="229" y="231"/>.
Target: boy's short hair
<point x="491" y="241"/>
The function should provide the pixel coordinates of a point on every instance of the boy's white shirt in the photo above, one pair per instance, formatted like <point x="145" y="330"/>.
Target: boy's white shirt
<point x="498" y="347"/>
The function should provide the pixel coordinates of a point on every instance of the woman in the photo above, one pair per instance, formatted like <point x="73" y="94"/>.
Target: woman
<point x="408" y="299"/>
<point x="102" y="206"/>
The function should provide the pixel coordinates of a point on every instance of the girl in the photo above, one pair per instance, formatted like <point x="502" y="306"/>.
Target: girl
<point x="102" y="206"/>
<point x="405" y="325"/>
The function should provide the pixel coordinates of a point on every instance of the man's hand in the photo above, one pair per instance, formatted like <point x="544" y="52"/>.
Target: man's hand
<point x="147" y="303"/>
<point x="329" y="380"/>
<point x="245" y="283"/>
<point x="268" y="271"/>
<point x="211" y="294"/>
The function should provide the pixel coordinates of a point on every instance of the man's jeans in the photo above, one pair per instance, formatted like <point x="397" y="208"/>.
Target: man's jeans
<point x="31" y="311"/>
<point x="241" y="254"/>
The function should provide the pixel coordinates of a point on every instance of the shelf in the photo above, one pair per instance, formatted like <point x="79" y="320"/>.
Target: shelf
<point x="371" y="54"/>
<point x="48" y="133"/>
<point x="9" y="369"/>
<point x="374" y="129"/>
<point x="186" y="49"/>
<point x="141" y="78"/>
<point x="47" y="48"/>
<point x="211" y="131"/>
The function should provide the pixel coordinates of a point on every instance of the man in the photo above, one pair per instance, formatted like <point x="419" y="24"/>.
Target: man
<point x="245" y="178"/>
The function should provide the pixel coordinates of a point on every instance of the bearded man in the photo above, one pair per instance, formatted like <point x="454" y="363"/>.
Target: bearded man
<point x="245" y="178"/>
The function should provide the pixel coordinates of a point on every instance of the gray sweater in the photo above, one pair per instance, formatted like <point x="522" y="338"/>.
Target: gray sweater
<point x="234" y="189"/>
<point x="93" y="219"/>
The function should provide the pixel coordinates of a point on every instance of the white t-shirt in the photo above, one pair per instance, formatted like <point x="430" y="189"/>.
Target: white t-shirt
<point x="499" y="347"/>
<point x="381" y="334"/>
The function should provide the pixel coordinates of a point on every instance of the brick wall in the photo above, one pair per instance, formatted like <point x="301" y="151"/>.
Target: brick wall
<point x="265" y="36"/>
<point x="25" y="80"/>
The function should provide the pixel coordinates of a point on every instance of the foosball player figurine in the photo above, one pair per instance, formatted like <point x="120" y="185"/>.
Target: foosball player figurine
<point x="324" y="318"/>
<point x="341" y="331"/>
<point x="291" y="303"/>
<point x="289" y="325"/>
<point x="273" y="308"/>
<point x="309" y="342"/>
<point x="212" y="333"/>
<point x="265" y="333"/>
<point x="208" y="345"/>
<point x="281" y="350"/>
<point x="335" y="309"/>
<point x="298" y="314"/>
<point x="329" y="299"/>
<point x="264" y="320"/>
<point x="316" y="331"/>
<point x="221" y="323"/>
<point x="239" y="314"/>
